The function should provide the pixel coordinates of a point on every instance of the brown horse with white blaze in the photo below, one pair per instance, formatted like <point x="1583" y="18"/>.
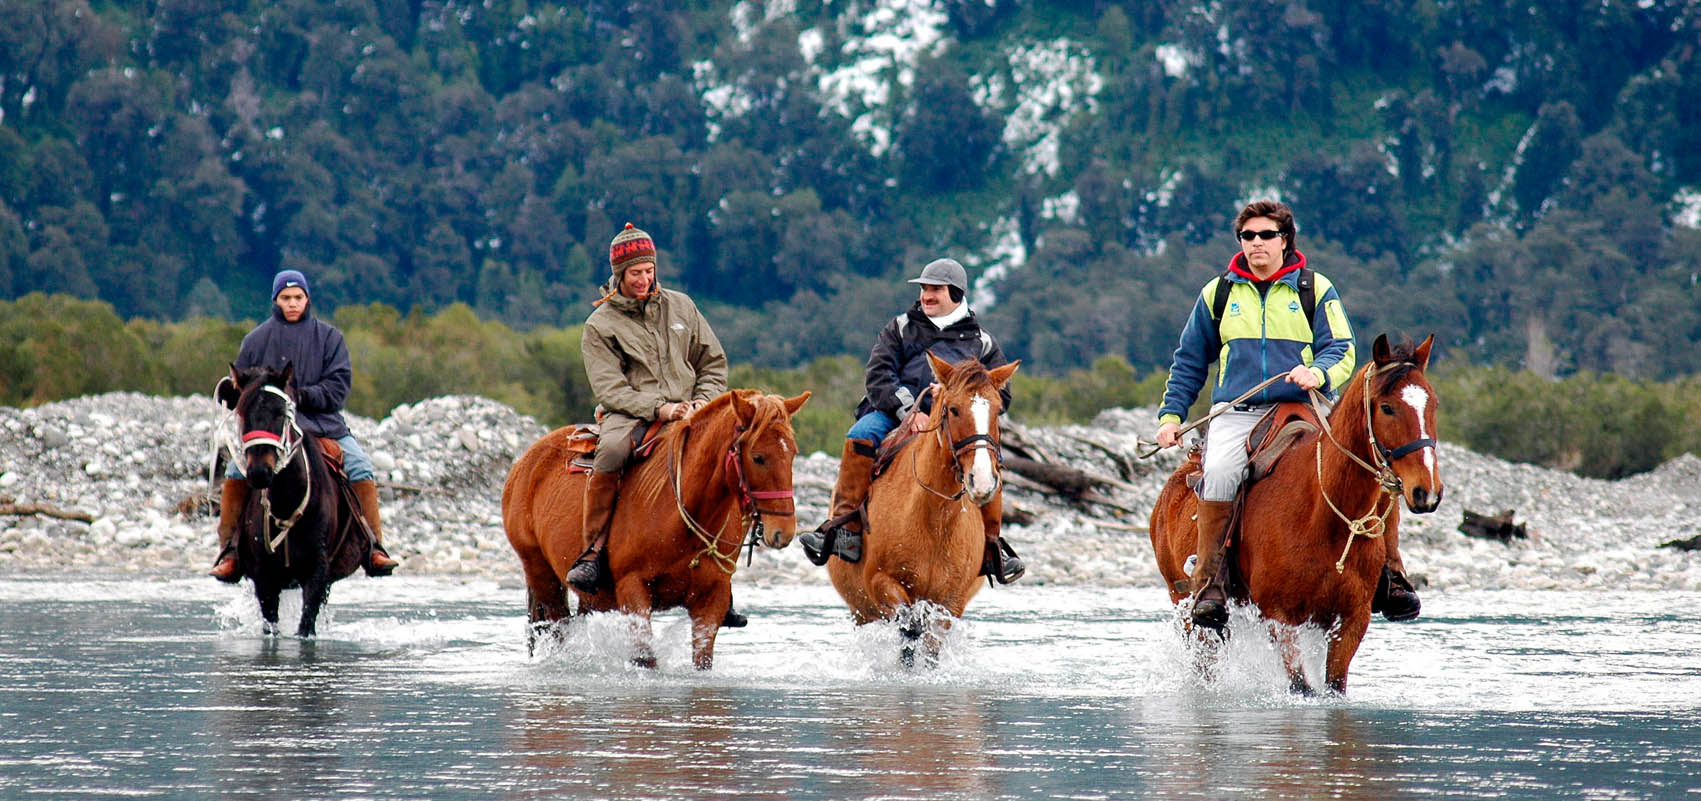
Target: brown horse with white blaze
<point x="678" y="526"/>
<point x="923" y="542"/>
<point x="1309" y="550"/>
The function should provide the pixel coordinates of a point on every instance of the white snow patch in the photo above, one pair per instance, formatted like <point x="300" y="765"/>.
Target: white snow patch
<point x="1688" y="207"/>
<point x="1046" y="85"/>
<point x="1176" y="59"/>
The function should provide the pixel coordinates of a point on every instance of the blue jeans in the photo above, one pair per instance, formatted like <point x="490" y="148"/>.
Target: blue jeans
<point x="873" y="427"/>
<point x="356" y="463"/>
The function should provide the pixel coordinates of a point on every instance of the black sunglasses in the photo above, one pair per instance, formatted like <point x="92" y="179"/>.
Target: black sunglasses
<point x="1247" y="236"/>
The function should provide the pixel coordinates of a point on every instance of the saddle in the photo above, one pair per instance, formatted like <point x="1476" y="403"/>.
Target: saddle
<point x="582" y="444"/>
<point x="333" y="454"/>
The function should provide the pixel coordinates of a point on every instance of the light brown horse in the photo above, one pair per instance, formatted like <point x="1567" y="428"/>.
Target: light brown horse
<point x="678" y="525"/>
<point x="1309" y="549"/>
<point x="924" y="542"/>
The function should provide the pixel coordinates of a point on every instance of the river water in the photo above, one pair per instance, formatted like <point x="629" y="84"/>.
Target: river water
<point x="423" y="688"/>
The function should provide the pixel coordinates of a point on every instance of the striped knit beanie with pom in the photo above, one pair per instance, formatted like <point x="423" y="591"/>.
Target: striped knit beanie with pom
<point x="629" y="246"/>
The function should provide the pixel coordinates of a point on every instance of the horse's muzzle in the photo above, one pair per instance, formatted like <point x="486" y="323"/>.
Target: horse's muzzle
<point x="1421" y="501"/>
<point x="777" y="530"/>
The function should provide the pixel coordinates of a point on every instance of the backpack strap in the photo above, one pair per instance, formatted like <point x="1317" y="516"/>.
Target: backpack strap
<point x="1307" y="296"/>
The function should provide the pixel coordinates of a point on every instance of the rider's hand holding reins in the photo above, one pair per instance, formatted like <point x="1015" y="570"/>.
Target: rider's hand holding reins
<point x="1169" y="435"/>
<point x="672" y="411"/>
<point x="1305" y="377"/>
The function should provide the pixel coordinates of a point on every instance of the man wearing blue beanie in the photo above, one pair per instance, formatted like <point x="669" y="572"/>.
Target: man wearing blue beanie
<point x="322" y="377"/>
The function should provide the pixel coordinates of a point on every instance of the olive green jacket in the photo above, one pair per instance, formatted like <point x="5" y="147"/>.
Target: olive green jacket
<point x="640" y="354"/>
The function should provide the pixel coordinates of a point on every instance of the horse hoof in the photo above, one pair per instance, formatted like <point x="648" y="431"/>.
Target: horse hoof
<point x="1210" y="613"/>
<point x="734" y="620"/>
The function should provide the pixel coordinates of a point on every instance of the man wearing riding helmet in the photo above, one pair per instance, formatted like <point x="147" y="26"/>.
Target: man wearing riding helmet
<point x="322" y="376"/>
<point x="1255" y="329"/>
<point x="897" y="378"/>
<point x="649" y="355"/>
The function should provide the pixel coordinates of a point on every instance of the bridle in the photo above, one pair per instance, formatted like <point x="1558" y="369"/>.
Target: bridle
<point x="957" y="449"/>
<point x="288" y="443"/>
<point x="1374" y="523"/>
<point x="750" y="511"/>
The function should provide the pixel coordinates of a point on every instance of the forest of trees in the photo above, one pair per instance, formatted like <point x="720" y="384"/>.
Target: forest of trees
<point x="1522" y="179"/>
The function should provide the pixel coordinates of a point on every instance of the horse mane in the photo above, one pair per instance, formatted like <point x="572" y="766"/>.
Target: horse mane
<point x="967" y="376"/>
<point x="713" y="421"/>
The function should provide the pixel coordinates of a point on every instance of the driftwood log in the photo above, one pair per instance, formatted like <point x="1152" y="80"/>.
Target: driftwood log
<point x="1493" y="527"/>
<point x="10" y="506"/>
<point x="1689" y="544"/>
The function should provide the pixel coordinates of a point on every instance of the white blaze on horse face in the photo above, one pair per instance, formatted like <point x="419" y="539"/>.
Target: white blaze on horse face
<point x="1418" y="399"/>
<point x="981" y="477"/>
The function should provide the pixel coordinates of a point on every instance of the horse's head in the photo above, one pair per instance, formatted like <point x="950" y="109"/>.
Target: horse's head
<point x="263" y="401"/>
<point x="1401" y="408"/>
<point x="965" y="413"/>
<point x="760" y="462"/>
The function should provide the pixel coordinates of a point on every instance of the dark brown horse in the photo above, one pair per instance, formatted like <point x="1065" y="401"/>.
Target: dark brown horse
<point x="298" y="528"/>
<point x="678" y="526"/>
<point x="925" y="539"/>
<point x="1310" y="550"/>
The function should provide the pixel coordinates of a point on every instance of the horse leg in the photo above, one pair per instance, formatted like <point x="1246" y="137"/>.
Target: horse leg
<point x="706" y="617"/>
<point x="1342" y="647"/>
<point x="266" y="592"/>
<point x="546" y="600"/>
<point x="313" y="593"/>
<point x="894" y="603"/>
<point x="1287" y="644"/>
<point x="634" y="599"/>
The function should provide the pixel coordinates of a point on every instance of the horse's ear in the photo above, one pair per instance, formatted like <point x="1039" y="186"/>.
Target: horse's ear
<point x="282" y="377"/>
<point x="1421" y="355"/>
<point x="793" y="404"/>
<point x="229" y="388"/>
<point x="1001" y="375"/>
<point x="742" y="408"/>
<point x="1379" y="349"/>
<point x="942" y="369"/>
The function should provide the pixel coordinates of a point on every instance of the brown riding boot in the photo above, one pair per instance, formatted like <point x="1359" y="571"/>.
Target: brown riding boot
<point x="232" y="497"/>
<point x="1210" y="601"/>
<point x="1395" y="597"/>
<point x="841" y="534"/>
<point x="601" y="491"/>
<point x="1000" y="561"/>
<point x="378" y="562"/>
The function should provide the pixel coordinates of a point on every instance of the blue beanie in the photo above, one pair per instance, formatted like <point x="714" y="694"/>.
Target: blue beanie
<point x="288" y="278"/>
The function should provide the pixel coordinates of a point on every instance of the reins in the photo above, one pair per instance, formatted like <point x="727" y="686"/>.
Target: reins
<point x="1373" y="524"/>
<point x="1192" y="424"/>
<point x="956" y="449"/>
<point x="749" y="508"/>
<point x="288" y="443"/>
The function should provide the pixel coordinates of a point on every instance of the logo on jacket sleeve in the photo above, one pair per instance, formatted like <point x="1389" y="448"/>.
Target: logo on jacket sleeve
<point x="677" y="326"/>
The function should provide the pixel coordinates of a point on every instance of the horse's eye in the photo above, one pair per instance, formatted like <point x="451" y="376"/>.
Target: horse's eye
<point x="759" y="459"/>
<point x="1387" y="410"/>
<point x="955" y="411"/>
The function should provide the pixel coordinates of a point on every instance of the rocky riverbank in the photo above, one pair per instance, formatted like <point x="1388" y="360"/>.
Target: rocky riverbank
<point x="130" y="461"/>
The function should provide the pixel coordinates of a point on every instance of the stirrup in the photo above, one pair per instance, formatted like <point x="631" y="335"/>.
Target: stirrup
<point x="235" y="573"/>
<point x="733" y="619"/>
<point x="586" y="574"/>
<point x="1002" y="564"/>
<point x="1395" y="597"/>
<point x="1210" y="612"/>
<point x="376" y="570"/>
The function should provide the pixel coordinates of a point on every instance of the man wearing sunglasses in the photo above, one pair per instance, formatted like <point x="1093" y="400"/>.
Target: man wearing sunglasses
<point x="1266" y="324"/>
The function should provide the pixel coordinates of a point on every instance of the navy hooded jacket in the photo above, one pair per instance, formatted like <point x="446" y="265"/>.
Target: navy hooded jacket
<point x="323" y="372"/>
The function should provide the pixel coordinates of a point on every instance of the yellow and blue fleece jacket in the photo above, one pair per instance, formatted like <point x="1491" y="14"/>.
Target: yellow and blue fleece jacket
<point x="1264" y="333"/>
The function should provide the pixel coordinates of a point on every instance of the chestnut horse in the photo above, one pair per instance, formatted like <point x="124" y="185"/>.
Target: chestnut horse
<point x="923" y="544"/>
<point x="679" y="522"/>
<point x="298" y="528"/>
<point x="1308" y="550"/>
